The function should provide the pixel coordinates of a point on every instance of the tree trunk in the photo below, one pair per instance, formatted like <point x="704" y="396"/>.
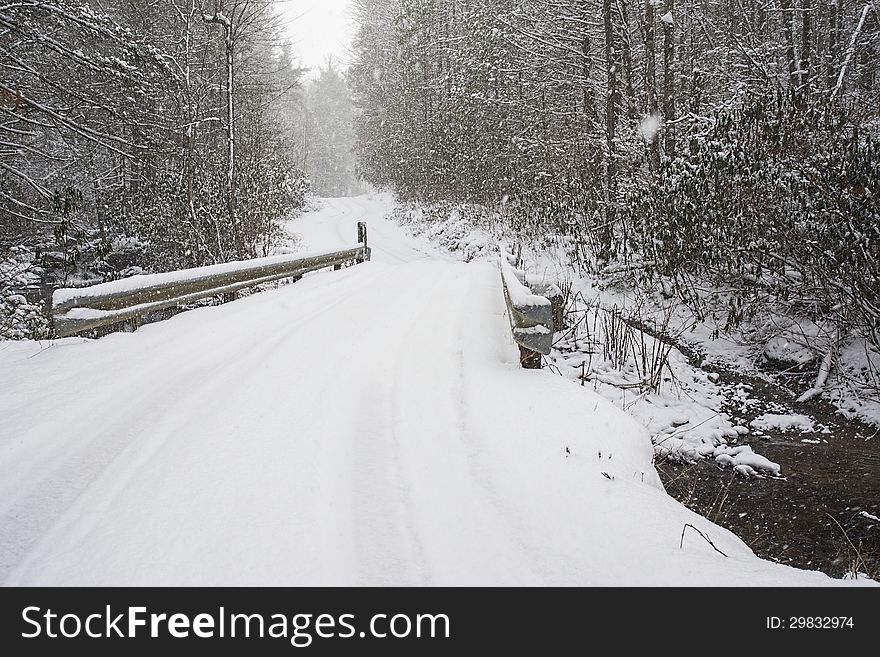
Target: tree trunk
<point x="587" y="68"/>
<point x="788" y="38"/>
<point x="626" y="60"/>
<point x="669" y="77"/>
<point x="230" y="143"/>
<point x="229" y="43"/>
<point x="806" y="41"/>
<point x="605" y="232"/>
<point x="651" y="83"/>
<point x="832" y="54"/>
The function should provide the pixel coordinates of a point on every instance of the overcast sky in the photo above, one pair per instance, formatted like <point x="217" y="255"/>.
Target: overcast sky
<point x="318" y="29"/>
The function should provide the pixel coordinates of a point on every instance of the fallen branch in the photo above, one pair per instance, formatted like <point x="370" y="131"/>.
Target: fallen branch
<point x="850" y="51"/>
<point x="824" y="370"/>
<point x="705" y="538"/>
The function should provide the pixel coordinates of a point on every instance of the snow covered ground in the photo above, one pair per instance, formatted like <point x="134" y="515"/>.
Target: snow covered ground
<point x="367" y="426"/>
<point x="680" y="404"/>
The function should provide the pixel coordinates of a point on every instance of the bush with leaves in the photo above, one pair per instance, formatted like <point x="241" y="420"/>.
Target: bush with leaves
<point x="777" y="204"/>
<point x="20" y="319"/>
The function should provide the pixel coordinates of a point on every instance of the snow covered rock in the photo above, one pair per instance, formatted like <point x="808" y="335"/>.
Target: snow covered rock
<point x="793" y="422"/>
<point x="784" y="352"/>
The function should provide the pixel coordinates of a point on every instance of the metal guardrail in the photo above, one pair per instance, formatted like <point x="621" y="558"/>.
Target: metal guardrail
<point x="531" y="315"/>
<point x="78" y="309"/>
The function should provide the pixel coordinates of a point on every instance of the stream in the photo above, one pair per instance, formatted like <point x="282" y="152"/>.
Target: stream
<point x="824" y="514"/>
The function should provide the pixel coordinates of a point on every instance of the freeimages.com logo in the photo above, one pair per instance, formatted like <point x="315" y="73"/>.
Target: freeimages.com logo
<point x="300" y="630"/>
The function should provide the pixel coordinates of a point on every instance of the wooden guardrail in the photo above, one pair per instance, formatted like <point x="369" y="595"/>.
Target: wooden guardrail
<point x="531" y="315"/>
<point x="79" y="309"/>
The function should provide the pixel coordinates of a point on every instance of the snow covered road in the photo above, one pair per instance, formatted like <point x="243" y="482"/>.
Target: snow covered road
<point x="367" y="427"/>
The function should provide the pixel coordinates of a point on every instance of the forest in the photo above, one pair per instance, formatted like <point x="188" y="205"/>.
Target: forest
<point x="725" y="153"/>
<point x="152" y="135"/>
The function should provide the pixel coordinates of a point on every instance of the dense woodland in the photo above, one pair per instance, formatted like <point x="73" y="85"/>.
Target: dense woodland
<point x="702" y="146"/>
<point x="161" y="118"/>
<point x="327" y="134"/>
<point x="698" y="146"/>
<point x="152" y="135"/>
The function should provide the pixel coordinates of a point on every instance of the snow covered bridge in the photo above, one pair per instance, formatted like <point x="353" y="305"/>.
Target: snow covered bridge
<point x="365" y="426"/>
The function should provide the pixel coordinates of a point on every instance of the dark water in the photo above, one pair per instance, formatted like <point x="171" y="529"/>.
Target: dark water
<point x="814" y="517"/>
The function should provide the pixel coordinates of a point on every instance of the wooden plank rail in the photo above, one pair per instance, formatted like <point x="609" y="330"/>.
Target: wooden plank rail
<point x="531" y="315"/>
<point x="78" y="309"/>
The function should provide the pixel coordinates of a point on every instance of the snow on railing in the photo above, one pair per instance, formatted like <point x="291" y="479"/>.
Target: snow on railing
<point x="531" y="315"/>
<point x="79" y="309"/>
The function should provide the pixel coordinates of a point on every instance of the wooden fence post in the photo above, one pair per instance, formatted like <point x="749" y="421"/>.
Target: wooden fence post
<point x="528" y="359"/>
<point x="362" y="239"/>
<point x="558" y="303"/>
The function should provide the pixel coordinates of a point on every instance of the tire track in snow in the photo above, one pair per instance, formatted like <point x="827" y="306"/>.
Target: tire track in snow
<point x="61" y="506"/>
<point x="404" y="356"/>
<point x="516" y="533"/>
<point x="382" y="551"/>
<point x="448" y="506"/>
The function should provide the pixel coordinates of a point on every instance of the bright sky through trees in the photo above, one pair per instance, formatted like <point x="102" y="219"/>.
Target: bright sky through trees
<point x="318" y="29"/>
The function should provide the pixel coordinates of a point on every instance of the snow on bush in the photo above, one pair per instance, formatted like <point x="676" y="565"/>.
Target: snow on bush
<point x="461" y="229"/>
<point x="767" y="228"/>
<point x="20" y="319"/>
